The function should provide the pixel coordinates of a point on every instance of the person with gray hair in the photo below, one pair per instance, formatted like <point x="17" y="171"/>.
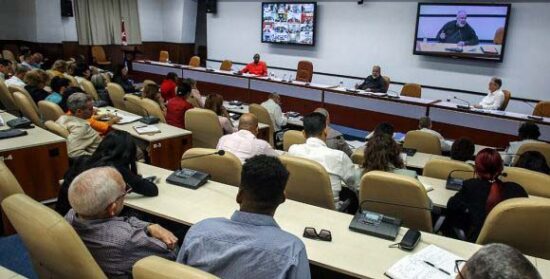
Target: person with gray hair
<point x="375" y="82"/>
<point x="273" y="107"/>
<point x="82" y="139"/>
<point x="495" y="261"/>
<point x="335" y="139"/>
<point x="425" y="125"/>
<point x="17" y="78"/>
<point x="115" y="242"/>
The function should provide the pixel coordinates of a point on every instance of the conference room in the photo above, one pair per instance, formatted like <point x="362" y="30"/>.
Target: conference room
<point x="283" y="139"/>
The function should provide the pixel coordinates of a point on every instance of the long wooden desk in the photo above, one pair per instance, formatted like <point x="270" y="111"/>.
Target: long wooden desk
<point x="8" y="274"/>
<point x="360" y="111"/>
<point x="165" y="148"/>
<point x="349" y="252"/>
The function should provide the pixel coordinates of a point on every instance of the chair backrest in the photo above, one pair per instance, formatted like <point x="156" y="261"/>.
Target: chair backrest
<point x="56" y="128"/>
<point x="164" y="56"/>
<point x="304" y="71"/>
<point x="7" y="54"/>
<point x="6" y="98"/>
<point x="98" y="53"/>
<point x="411" y="90"/>
<point x="507" y="96"/>
<point x="51" y="74"/>
<point x="291" y="137"/>
<point x="224" y="169"/>
<point x="55" y="248"/>
<point x="160" y="268"/>
<point x="148" y="81"/>
<point x="153" y="108"/>
<point x="195" y="61"/>
<point x="522" y="223"/>
<point x="226" y="65"/>
<point x="499" y="36"/>
<point x="89" y="88"/>
<point x="439" y="168"/>
<point x="542" y="147"/>
<point x="193" y="101"/>
<point x="542" y="109"/>
<point x="387" y="82"/>
<point x="49" y="110"/>
<point x="8" y="183"/>
<point x="397" y="196"/>
<point x="15" y="88"/>
<point x="73" y="80"/>
<point x="534" y="183"/>
<point x="423" y="142"/>
<point x="25" y="105"/>
<point x="358" y="156"/>
<point x="133" y="104"/>
<point x="116" y="94"/>
<point x="205" y="126"/>
<point x="263" y="117"/>
<point x="308" y="182"/>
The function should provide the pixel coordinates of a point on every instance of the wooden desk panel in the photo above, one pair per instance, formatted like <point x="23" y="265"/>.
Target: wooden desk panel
<point x="229" y="93"/>
<point x="167" y="153"/>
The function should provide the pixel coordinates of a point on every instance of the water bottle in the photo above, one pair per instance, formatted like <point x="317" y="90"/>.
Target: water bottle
<point x="341" y="85"/>
<point x="284" y="78"/>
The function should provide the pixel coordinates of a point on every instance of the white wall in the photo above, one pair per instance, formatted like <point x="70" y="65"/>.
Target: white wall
<point x="168" y="20"/>
<point x="350" y="38"/>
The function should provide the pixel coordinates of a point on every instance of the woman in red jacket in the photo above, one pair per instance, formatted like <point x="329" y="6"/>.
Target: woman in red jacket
<point x="178" y="105"/>
<point x="168" y="86"/>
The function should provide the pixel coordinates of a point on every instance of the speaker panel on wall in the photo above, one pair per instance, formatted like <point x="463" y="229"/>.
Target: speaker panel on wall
<point x="66" y="8"/>
<point x="211" y="6"/>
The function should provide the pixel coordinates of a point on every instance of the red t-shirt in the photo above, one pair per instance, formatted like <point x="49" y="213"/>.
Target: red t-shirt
<point x="260" y="69"/>
<point x="175" y="111"/>
<point x="168" y="89"/>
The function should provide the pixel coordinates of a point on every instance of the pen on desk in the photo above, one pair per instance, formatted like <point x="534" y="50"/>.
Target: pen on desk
<point x="432" y="265"/>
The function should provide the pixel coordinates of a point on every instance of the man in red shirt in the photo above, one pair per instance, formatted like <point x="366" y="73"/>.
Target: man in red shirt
<point x="168" y="86"/>
<point x="257" y="67"/>
<point x="177" y="106"/>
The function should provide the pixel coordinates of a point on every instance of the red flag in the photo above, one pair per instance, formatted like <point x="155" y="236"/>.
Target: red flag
<point x="123" y="35"/>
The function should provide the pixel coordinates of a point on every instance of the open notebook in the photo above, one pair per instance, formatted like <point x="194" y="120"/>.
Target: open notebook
<point x="431" y="262"/>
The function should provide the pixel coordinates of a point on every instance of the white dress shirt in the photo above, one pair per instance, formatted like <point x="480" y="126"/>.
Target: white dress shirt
<point x="245" y="145"/>
<point x="493" y="100"/>
<point x="275" y="113"/>
<point x="15" y="81"/>
<point x="445" y="146"/>
<point x="512" y="150"/>
<point x="337" y="163"/>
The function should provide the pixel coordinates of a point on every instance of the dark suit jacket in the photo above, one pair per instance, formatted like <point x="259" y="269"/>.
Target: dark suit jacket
<point x="466" y="209"/>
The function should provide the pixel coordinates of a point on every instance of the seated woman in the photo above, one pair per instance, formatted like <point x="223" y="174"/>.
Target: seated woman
<point x="533" y="160"/>
<point x="121" y="78"/>
<point x="195" y="97"/>
<point x="214" y="102"/>
<point x="168" y="86"/>
<point x="82" y="72"/>
<point x="382" y="128"/>
<point x="468" y="208"/>
<point x="58" y="85"/>
<point x="59" y="67"/>
<point x="118" y="150"/>
<point x="384" y="154"/>
<point x="100" y="85"/>
<point x="177" y="106"/>
<point x="462" y="149"/>
<point x="151" y="91"/>
<point x="36" y="82"/>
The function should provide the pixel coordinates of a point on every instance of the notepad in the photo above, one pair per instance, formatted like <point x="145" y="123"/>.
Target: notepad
<point x="430" y="262"/>
<point x="146" y="129"/>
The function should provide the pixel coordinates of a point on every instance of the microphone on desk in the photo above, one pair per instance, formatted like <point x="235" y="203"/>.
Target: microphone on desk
<point x="467" y="106"/>
<point x="534" y="117"/>
<point x="454" y="183"/>
<point x="20" y="122"/>
<point x="148" y="119"/>
<point x="391" y="96"/>
<point x="189" y="178"/>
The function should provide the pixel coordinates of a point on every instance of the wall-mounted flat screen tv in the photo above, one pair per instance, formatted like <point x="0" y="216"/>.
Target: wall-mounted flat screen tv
<point x="472" y="31"/>
<point x="289" y="22"/>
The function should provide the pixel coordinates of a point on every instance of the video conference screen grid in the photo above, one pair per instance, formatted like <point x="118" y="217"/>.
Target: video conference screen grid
<point x="289" y="23"/>
<point x="475" y="31"/>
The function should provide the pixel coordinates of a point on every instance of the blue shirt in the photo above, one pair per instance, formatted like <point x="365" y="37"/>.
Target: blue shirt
<point x="54" y="97"/>
<point x="246" y="246"/>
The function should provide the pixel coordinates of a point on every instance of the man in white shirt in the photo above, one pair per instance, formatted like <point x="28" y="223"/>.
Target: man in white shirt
<point x="244" y="143"/>
<point x="528" y="132"/>
<point x="425" y="125"/>
<point x="273" y="106"/>
<point x="335" y="139"/>
<point x="17" y="79"/>
<point x="337" y="163"/>
<point x="495" y="98"/>
<point x="5" y="69"/>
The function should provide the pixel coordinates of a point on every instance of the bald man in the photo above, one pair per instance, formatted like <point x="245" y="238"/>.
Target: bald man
<point x="458" y="31"/>
<point x="375" y="82"/>
<point x="244" y="143"/>
<point x="257" y="67"/>
<point x="116" y="243"/>
<point x="335" y="139"/>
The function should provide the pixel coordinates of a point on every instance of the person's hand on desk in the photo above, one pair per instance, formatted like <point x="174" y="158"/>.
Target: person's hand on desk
<point x="460" y="44"/>
<point x="162" y="234"/>
<point x="442" y="35"/>
<point x="478" y="106"/>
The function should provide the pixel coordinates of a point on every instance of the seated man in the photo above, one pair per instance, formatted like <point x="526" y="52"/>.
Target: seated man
<point x="375" y="82"/>
<point x="250" y="244"/>
<point x="463" y="149"/>
<point x="82" y="139"/>
<point x="425" y="125"/>
<point x="498" y="261"/>
<point x="116" y="243"/>
<point x="495" y="98"/>
<point x="335" y="139"/>
<point x="17" y="79"/>
<point x="273" y="106"/>
<point x="244" y="143"/>
<point x="528" y="132"/>
<point x="458" y="31"/>
<point x="5" y="69"/>
<point x="257" y="67"/>
<point x="337" y="164"/>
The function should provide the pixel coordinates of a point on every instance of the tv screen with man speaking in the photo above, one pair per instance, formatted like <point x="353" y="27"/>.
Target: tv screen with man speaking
<point x="475" y="31"/>
<point x="288" y="23"/>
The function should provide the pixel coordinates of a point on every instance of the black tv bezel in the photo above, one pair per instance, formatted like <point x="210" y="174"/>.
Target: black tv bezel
<point x="283" y="43"/>
<point x="454" y="56"/>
